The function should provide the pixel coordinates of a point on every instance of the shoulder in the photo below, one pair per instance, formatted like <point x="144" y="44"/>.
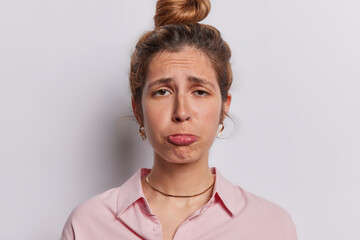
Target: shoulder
<point x="263" y="206"/>
<point x="98" y="214"/>
<point x="86" y="215"/>
<point x="250" y="209"/>
<point x="271" y="216"/>
<point x="101" y="204"/>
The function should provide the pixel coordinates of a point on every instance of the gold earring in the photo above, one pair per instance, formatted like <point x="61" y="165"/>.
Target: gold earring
<point x="142" y="133"/>
<point x="219" y="135"/>
<point x="222" y="127"/>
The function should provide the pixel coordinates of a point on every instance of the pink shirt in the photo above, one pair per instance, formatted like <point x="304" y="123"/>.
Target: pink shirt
<point x="231" y="213"/>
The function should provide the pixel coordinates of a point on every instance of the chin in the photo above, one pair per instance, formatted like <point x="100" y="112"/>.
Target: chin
<point x="181" y="157"/>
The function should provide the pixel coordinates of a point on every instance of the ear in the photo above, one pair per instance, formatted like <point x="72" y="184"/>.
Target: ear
<point x="226" y="106"/>
<point x="137" y="112"/>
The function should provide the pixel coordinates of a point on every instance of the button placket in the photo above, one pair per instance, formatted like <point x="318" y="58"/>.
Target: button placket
<point x="182" y="233"/>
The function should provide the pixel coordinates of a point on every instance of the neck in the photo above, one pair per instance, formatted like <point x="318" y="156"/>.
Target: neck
<point x="181" y="178"/>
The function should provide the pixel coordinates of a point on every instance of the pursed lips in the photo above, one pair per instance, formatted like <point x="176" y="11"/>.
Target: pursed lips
<point x="182" y="139"/>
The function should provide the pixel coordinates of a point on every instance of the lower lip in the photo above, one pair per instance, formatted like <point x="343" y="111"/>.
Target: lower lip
<point x="182" y="140"/>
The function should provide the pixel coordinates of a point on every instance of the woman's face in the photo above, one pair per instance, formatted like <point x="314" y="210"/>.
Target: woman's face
<point x="181" y="105"/>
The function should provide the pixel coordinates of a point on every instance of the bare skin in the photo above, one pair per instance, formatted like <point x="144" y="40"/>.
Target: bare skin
<point x="181" y="96"/>
<point x="172" y="212"/>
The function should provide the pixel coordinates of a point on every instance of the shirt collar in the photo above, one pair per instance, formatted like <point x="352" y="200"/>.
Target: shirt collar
<point x="231" y="196"/>
<point x="131" y="191"/>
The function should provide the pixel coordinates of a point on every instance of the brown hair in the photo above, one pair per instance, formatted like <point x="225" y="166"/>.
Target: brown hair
<point x="176" y="26"/>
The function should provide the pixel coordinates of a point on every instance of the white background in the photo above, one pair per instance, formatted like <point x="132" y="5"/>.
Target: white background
<point x="66" y="131"/>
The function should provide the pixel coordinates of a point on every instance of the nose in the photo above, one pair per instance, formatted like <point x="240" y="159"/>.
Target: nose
<point x="182" y="111"/>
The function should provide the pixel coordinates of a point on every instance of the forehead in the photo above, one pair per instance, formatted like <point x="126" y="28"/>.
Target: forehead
<point x="188" y="61"/>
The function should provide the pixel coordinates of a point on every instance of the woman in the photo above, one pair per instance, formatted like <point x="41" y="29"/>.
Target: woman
<point x="180" y="77"/>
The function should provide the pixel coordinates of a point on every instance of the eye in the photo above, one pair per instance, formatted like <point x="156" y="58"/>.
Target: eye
<point x="161" y="92"/>
<point x="201" y="93"/>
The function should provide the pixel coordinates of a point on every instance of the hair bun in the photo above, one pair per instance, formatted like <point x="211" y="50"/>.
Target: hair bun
<point x="180" y="11"/>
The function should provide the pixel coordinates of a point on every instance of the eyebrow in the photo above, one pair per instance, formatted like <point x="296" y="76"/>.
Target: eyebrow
<point x="191" y="79"/>
<point x="201" y="81"/>
<point x="160" y="82"/>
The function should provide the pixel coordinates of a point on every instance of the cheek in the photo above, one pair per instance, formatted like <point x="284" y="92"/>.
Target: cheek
<point x="154" y="116"/>
<point x="211" y="113"/>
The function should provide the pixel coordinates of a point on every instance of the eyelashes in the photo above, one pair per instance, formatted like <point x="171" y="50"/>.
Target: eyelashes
<point x="165" y="92"/>
<point x="161" y="92"/>
<point x="201" y="93"/>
